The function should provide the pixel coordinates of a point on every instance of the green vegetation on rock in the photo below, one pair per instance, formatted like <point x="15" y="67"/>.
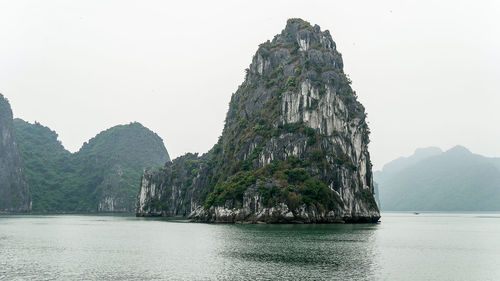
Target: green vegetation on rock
<point x="294" y="141"/>
<point x="104" y="175"/>
<point x="291" y="182"/>
<point x="48" y="167"/>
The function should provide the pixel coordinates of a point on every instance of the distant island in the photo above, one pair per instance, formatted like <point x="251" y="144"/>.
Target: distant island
<point x="38" y="174"/>
<point x="294" y="148"/>
<point x="433" y="180"/>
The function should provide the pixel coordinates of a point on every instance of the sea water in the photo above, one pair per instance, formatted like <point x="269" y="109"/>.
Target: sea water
<point x="403" y="246"/>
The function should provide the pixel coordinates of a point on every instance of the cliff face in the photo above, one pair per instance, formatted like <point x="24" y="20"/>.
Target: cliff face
<point x="14" y="190"/>
<point x="294" y="147"/>
<point x="103" y="176"/>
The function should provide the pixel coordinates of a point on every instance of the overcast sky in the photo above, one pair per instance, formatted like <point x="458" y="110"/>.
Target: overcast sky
<point x="426" y="71"/>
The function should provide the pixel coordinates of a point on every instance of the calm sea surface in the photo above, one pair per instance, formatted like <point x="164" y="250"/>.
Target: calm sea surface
<point x="403" y="246"/>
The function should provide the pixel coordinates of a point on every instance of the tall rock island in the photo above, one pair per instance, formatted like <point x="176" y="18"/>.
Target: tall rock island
<point x="294" y="147"/>
<point x="14" y="189"/>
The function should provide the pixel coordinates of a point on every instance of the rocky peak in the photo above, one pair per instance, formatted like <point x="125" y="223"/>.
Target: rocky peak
<point x="299" y="43"/>
<point x="458" y="150"/>
<point x="293" y="126"/>
<point x="305" y="35"/>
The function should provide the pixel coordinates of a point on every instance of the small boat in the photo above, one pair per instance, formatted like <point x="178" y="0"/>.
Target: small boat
<point x="416" y="213"/>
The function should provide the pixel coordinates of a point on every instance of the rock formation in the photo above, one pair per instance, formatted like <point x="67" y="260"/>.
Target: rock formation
<point x="14" y="190"/>
<point x="118" y="156"/>
<point x="103" y="176"/>
<point x="294" y="147"/>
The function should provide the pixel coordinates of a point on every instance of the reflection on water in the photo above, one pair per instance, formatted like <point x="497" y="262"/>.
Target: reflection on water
<point x="300" y="251"/>
<point x="401" y="247"/>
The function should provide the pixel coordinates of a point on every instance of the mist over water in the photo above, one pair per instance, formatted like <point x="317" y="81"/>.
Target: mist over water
<point x="404" y="246"/>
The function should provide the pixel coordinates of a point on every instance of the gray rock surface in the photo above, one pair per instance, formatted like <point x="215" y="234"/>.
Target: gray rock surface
<point x="14" y="189"/>
<point x="295" y="114"/>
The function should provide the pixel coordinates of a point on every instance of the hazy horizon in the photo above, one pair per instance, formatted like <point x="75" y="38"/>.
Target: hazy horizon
<point x="425" y="72"/>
